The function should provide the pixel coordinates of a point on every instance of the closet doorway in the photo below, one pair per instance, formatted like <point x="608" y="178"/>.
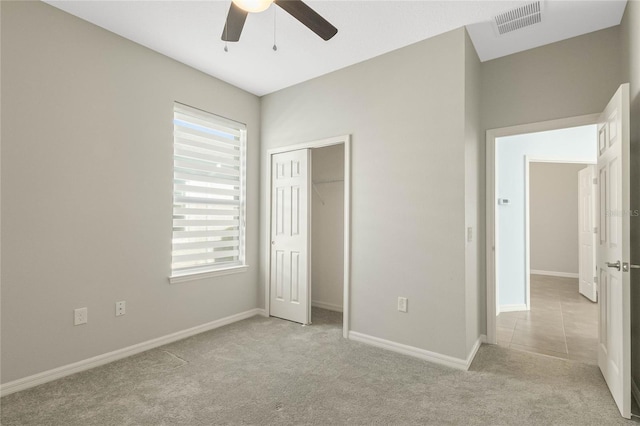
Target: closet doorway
<point x="327" y="228"/>
<point x="308" y="248"/>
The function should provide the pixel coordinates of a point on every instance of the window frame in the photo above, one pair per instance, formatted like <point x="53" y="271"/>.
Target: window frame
<point x="225" y="268"/>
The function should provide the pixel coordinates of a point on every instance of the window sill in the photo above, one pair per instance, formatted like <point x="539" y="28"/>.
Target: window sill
<point x="209" y="274"/>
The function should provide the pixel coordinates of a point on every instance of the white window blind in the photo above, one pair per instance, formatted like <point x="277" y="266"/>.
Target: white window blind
<point x="208" y="192"/>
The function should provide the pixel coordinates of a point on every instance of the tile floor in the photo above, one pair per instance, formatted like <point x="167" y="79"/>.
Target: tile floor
<point x="561" y="323"/>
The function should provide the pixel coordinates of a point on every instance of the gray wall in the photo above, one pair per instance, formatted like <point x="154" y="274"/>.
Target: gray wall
<point x="630" y="38"/>
<point x="474" y="199"/>
<point x="553" y="216"/>
<point x="83" y="144"/>
<point x="327" y="228"/>
<point x="565" y="79"/>
<point x="405" y="112"/>
<point x="87" y="191"/>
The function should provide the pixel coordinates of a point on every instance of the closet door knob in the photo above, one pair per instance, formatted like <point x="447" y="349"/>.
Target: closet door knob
<point x="615" y="265"/>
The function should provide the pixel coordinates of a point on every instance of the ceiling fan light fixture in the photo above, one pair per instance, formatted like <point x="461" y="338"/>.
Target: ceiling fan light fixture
<point x="253" y="6"/>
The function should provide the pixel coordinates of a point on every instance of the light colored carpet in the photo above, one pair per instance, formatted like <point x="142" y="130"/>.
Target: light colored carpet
<point x="269" y="371"/>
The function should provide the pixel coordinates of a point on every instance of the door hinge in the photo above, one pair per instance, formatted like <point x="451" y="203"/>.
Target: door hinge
<point x="595" y="229"/>
<point x="595" y="280"/>
<point x="595" y="181"/>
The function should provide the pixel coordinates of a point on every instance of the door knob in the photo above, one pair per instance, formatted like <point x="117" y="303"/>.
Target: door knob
<point x="614" y="265"/>
<point x="626" y="266"/>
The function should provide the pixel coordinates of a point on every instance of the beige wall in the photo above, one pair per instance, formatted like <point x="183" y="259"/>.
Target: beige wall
<point x="87" y="191"/>
<point x="553" y="217"/>
<point x="405" y="112"/>
<point x="327" y="229"/>
<point x="630" y="42"/>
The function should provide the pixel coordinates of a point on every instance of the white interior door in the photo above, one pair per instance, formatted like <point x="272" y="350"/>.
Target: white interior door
<point x="289" y="283"/>
<point x="613" y="240"/>
<point x="586" y="235"/>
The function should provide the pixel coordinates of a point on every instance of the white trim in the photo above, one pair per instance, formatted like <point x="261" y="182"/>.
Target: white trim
<point x="491" y="238"/>
<point x="436" y="358"/>
<point x="208" y="274"/>
<point x="347" y="236"/>
<point x="86" y="364"/>
<point x="327" y="306"/>
<point x="635" y="391"/>
<point x="527" y="238"/>
<point x="266" y="223"/>
<point x="514" y="308"/>
<point x="555" y="274"/>
<point x="337" y="140"/>
<point x="474" y="349"/>
<point x="491" y="179"/>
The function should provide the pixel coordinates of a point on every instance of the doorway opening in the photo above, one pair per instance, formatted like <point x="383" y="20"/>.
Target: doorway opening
<point x="308" y="247"/>
<point x="504" y="249"/>
<point x="538" y="305"/>
<point x="327" y="231"/>
<point x="560" y="317"/>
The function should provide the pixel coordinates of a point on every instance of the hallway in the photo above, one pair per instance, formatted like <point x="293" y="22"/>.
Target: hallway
<point x="562" y="323"/>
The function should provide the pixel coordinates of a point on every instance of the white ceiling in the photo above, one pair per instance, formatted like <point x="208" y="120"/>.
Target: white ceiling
<point x="189" y="31"/>
<point x="560" y="20"/>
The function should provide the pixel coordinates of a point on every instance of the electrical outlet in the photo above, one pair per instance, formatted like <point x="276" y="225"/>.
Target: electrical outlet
<point x="80" y="316"/>
<point x="402" y="304"/>
<point x="120" y="308"/>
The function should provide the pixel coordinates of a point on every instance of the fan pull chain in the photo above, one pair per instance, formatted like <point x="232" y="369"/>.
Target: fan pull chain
<point x="226" y="35"/>
<point x="275" y="47"/>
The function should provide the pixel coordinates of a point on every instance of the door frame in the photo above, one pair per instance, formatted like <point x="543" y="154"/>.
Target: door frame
<point x="346" y="140"/>
<point x="527" y="214"/>
<point x="492" y="230"/>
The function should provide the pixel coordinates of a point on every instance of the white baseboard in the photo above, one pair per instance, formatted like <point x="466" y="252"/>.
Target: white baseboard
<point x="436" y="358"/>
<point x="327" y="306"/>
<point x="514" y="308"/>
<point x="555" y="274"/>
<point x="635" y="391"/>
<point x="86" y="364"/>
<point x="474" y="350"/>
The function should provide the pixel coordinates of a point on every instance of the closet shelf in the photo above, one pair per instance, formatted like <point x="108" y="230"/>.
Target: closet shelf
<point x="320" y="182"/>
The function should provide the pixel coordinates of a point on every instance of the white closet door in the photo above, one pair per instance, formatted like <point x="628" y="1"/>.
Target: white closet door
<point x="290" y="207"/>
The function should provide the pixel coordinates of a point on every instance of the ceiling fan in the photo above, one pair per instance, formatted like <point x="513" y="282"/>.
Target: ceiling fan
<point x="241" y="8"/>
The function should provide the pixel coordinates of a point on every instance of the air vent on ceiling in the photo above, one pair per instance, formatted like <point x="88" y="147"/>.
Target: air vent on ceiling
<point x="524" y="16"/>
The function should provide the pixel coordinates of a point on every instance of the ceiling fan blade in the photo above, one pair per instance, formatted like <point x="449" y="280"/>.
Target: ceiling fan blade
<point x="308" y="17"/>
<point x="235" y="23"/>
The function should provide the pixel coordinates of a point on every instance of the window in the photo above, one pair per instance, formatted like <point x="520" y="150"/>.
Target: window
<point x="208" y="194"/>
